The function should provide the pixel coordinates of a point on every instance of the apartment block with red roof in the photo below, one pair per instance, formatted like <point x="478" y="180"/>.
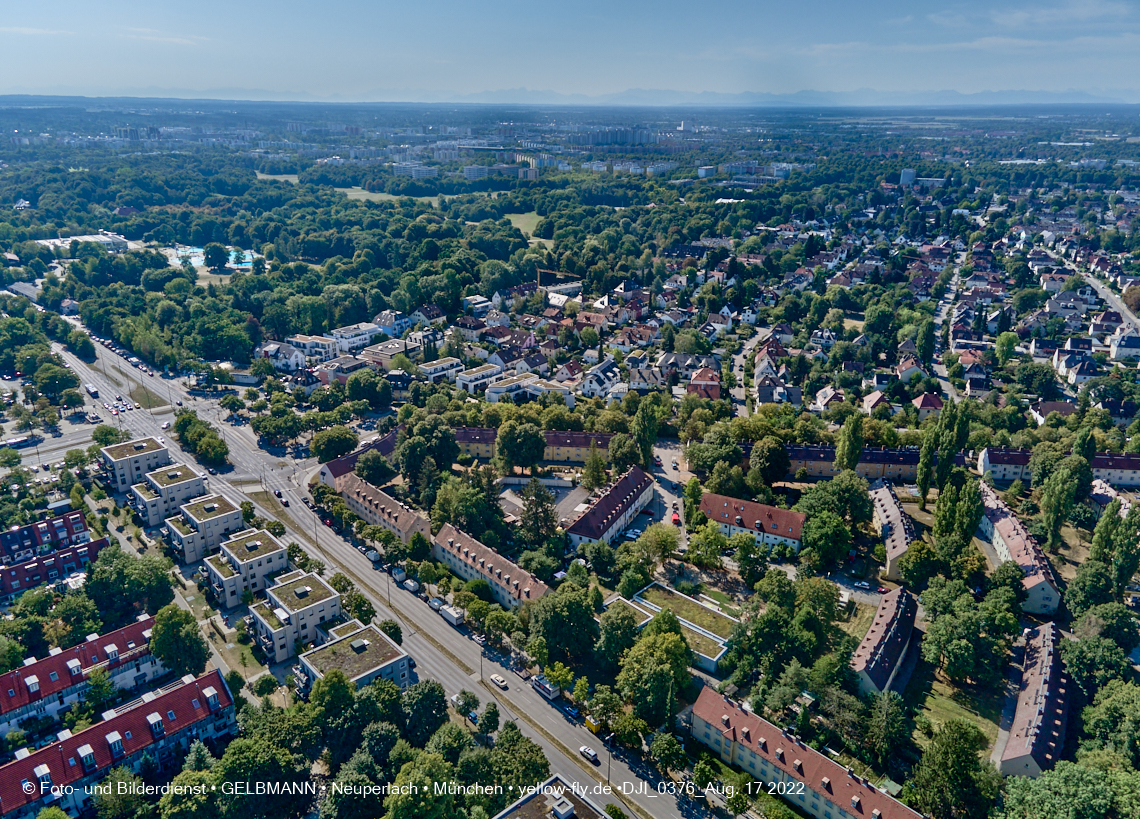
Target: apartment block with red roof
<point x="614" y="510"/>
<point x="161" y="725"/>
<point x="511" y="586"/>
<point x="770" y="525"/>
<point x="1036" y="736"/>
<point x="811" y="781"/>
<point x="44" y="687"/>
<point x="1012" y="541"/>
<point x="883" y="649"/>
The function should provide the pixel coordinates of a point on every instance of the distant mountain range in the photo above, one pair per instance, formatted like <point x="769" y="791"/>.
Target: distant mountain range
<point x="655" y="98"/>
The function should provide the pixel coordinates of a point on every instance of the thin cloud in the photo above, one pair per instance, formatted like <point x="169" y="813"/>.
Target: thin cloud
<point x="32" y="32"/>
<point x="155" y="36"/>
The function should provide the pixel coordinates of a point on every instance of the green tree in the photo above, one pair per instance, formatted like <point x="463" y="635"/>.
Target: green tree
<point x="1070" y="789"/>
<point x="827" y="536"/>
<point x="539" y="517"/>
<point x="618" y="633"/>
<point x="885" y="730"/>
<point x="252" y="760"/>
<point x="489" y="719"/>
<point x="1005" y="347"/>
<point x="925" y="341"/>
<point x="333" y="442"/>
<point x="643" y="430"/>
<point x="1091" y="587"/>
<point x="771" y="458"/>
<point x="594" y="471"/>
<point x="177" y="641"/>
<point x="117" y="801"/>
<point x="849" y="447"/>
<point x="1057" y="498"/>
<point x="950" y="781"/>
<point x="653" y="674"/>
<point x="425" y="709"/>
<point x="520" y="444"/>
<point x="926" y="463"/>
<point x="668" y="753"/>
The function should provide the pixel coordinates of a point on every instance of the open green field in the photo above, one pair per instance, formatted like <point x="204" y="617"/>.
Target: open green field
<point x="526" y="222"/>
<point x="859" y="623"/>
<point x="690" y="610"/>
<point x="141" y="395"/>
<point x="930" y="693"/>
<point x="291" y="178"/>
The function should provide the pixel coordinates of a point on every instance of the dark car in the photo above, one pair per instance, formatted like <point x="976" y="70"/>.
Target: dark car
<point x="277" y="493"/>
<point x="572" y="712"/>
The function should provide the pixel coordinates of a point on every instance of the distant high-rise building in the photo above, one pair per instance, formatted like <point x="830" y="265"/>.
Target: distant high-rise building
<point x="907" y="176"/>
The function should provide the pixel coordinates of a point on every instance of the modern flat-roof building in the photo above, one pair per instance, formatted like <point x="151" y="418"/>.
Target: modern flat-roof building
<point x="880" y="654"/>
<point x="378" y="508"/>
<point x="893" y="525"/>
<point x="22" y="543"/>
<point x="246" y="561"/>
<point x="126" y="463"/>
<point x="527" y="387"/>
<point x="42" y="688"/>
<point x="771" y="754"/>
<point x="202" y="526"/>
<point x="161" y="725"/>
<point x="362" y="653"/>
<point x="614" y="510"/>
<point x="770" y="525"/>
<point x="470" y="559"/>
<point x="296" y="605"/>
<point x="384" y="352"/>
<point x="478" y="378"/>
<point x="316" y="349"/>
<point x="1036" y="737"/>
<point x="441" y="369"/>
<point x="61" y="565"/>
<point x="1012" y="541"/>
<point x="354" y="336"/>
<point x="556" y="798"/>
<point x="162" y="491"/>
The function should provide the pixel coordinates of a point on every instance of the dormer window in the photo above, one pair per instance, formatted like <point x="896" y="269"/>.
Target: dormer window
<point x="155" y="721"/>
<point x="87" y="757"/>
<point x="112" y="652"/>
<point x="43" y="774"/>
<point x="211" y="696"/>
<point x="115" y="743"/>
<point x="33" y="683"/>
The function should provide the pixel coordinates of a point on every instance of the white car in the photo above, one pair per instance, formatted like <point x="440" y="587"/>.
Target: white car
<point x="589" y="753"/>
<point x="498" y="680"/>
<point x="166" y="425"/>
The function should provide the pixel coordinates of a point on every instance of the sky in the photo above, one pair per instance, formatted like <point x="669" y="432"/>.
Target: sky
<point x="373" y="50"/>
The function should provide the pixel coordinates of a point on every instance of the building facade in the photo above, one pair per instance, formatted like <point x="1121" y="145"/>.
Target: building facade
<point x="770" y="525"/>
<point x="1012" y="541"/>
<point x="1036" y="736"/>
<point x="378" y="508"/>
<point x="894" y="526"/>
<point x="245" y="562"/>
<point x="294" y="609"/>
<point x="614" y="510"/>
<point x="362" y="653"/>
<point x="162" y="491"/>
<point x="126" y="464"/>
<point x="882" y="652"/>
<point x="467" y="557"/>
<point x="202" y="526"/>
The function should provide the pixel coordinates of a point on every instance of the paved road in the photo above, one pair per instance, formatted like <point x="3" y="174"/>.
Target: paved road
<point x="441" y="652"/>
<point x="1112" y="299"/>
<point x="945" y="306"/>
<point x="738" y="393"/>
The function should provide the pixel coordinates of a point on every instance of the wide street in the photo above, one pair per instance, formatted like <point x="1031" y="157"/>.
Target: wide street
<point x="441" y="651"/>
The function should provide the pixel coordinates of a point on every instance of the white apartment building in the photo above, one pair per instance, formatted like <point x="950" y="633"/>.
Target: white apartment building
<point x="295" y="607"/>
<point x="354" y="336"/>
<point x="528" y="386"/>
<point x="202" y="526"/>
<point x="1012" y="541"/>
<point x="770" y="525"/>
<point x="161" y="493"/>
<point x="245" y="561"/>
<point x="125" y="464"/>
<point x="445" y="368"/>
<point x="478" y="378"/>
<point x="317" y="349"/>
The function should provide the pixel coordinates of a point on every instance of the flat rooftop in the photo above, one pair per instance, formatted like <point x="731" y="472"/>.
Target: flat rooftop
<point x="355" y="655"/>
<point x="179" y="524"/>
<point x="252" y="544"/>
<point x="265" y="612"/>
<point x="208" y="508"/>
<point x="302" y="592"/>
<point x="221" y="565"/>
<point x="145" y="491"/>
<point x="139" y="446"/>
<point x="171" y="475"/>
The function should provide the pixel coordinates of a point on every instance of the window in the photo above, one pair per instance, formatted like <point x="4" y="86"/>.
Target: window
<point x="53" y="676"/>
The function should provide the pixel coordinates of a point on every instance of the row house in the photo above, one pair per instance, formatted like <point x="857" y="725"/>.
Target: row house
<point x="377" y="508"/>
<point x="895" y="465"/>
<point x="45" y="687"/>
<point x="1035" y="740"/>
<point x="21" y="543"/>
<point x="511" y="586"/>
<point x="882" y="651"/>
<point x="246" y="562"/>
<point x="159" y="727"/>
<point x="1012" y="541"/>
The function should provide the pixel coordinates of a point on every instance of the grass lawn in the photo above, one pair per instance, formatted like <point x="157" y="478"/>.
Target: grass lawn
<point x="930" y="693"/>
<point x="700" y="643"/>
<point x="687" y="609"/>
<point x="291" y="178"/>
<point x="848" y="323"/>
<point x="141" y="395"/>
<point x="859" y="623"/>
<point x="379" y="196"/>
<point x="526" y="222"/>
<point x="1074" y="552"/>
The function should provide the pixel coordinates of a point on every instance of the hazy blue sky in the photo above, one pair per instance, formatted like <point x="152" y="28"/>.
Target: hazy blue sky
<point x="356" y="49"/>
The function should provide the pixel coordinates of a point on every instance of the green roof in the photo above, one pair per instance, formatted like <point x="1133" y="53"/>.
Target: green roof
<point x="265" y="612"/>
<point x="302" y="592"/>
<point x="252" y="544"/>
<point x="221" y="565"/>
<point x="209" y="507"/>
<point x="170" y="475"/>
<point x="355" y="655"/>
<point x="144" y="491"/>
<point x="139" y="446"/>
<point x="179" y="524"/>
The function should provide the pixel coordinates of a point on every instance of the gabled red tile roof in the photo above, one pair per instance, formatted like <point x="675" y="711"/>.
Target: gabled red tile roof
<point x="771" y="520"/>
<point x="616" y="500"/>
<point x="495" y="568"/>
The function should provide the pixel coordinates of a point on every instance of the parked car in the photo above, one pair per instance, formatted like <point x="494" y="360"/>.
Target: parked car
<point x="862" y="584"/>
<point x="499" y="681"/>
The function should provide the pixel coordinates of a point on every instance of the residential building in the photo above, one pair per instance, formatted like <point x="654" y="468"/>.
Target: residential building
<point x="928" y="404"/>
<point x="478" y="442"/>
<point x="382" y="353"/>
<point x="21" y="543"/>
<point x="647" y="379"/>
<point x="159" y="727"/>
<point x="62" y="565"/>
<point x="126" y="463"/>
<point x="704" y="383"/>
<point x="393" y="323"/>
<point x="882" y="652"/>
<point x="771" y="754"/>
<point x="354" y="336"/>
<point x="284" y="356"/>
<point x="770" y="525"/>
<point x="378" y="508"/>
<point x="478" y="306"/>
<point x="442" y="369"/>
<point x="467" y="557"/>
<point x="316" y="349"/>
<point x="428" y="314"/>
<point x="1103" y="493"/>
<point x="615" y="509"/>
<point x="246" y="562"/>
<point x="45" y="687"/>
<point x="478" y="378"/>
<point x="526" y="387"/>
<point x="896" y="465"/>
<point x="1012" y="541"/>
<point x="202" y="526"/>
<point x="385" y="445"/>
<point x="574" y="447"/>
<point x="1007" y="465"/>
<point x="1036" y="737"/>
<point x="894" y="526"/>
<point x="600" y="378"/>
<point x="363" y="653"/>
<point x="555" y="798"/>
<point x="470" y="328"/>
<point x="685" y="364"/>
<point x="292" y="613"/>
<point x="341" y="368"/>
<point x="164" y="490"/>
